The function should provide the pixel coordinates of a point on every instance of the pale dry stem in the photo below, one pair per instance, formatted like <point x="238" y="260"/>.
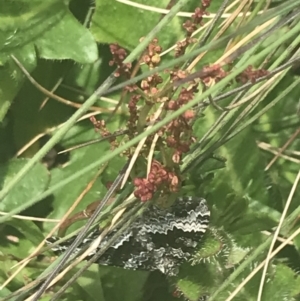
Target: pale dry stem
<point x="278" y="152"/>
<point x="166" y="11"/>
<point x="50" y="94"/>
<point x="282" y="149"/>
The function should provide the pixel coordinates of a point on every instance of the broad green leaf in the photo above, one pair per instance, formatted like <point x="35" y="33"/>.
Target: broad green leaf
<point x="12" y="78"/>
<point x="283" y="283"/>
<point x="122" y="285"/>
<point x="24" y="21"/>
<point x="46" y="29"/>
<point x="13" y="246"/>
<point x="90" y="285"/>
<point x="28" y="229"/>
<point x="68" y="39"/>
<point x="50" y="26"/>
<point x="35" y="182"/>
<point x="115" y="22"/>
<point x="5" y="291"/>
<point x="29" y="106"/>
<point x="196" y="281"/>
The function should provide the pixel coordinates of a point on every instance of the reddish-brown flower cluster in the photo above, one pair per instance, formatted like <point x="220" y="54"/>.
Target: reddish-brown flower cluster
<point x="176" y="75"/>
<point x="151" y="57"/>
<point x="251" y="75"/>
<point x="133" y="112"/>
<point x="179" y="131"/>
<point x="181" y="46"/>
<point x="119" y="54"/>
<point x="176" y="137"/>
<point x="183" y="98"/>
<point x="179" y="138"/>
<point x="191" y="26"/>
<point x="149" y="85"/>
<point x="158" y="179"/>
<point x="213" y="72"/>
<point x="100" y="127"/>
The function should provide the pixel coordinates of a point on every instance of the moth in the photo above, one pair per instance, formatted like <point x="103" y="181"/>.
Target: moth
<point x="158" y="240"/>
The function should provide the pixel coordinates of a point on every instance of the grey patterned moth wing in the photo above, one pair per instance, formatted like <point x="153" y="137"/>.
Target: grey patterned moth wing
<point x="162" y="239"/>
<point x="159" y="239"/>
